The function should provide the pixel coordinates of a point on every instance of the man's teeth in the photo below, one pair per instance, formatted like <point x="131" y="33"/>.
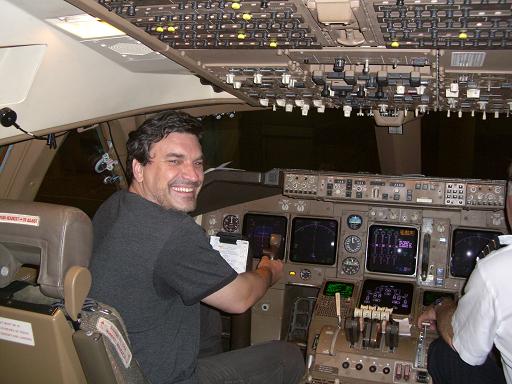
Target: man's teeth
<point x="183" y="189"/>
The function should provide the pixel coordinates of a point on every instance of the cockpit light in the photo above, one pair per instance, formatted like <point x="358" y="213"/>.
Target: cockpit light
<point x="85" y="26"/>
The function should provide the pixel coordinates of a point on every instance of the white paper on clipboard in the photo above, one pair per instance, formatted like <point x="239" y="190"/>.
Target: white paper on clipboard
<point x="234" y="254"/>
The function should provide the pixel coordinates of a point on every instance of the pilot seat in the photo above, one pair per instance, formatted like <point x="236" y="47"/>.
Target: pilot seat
<point x="49" y="331"/>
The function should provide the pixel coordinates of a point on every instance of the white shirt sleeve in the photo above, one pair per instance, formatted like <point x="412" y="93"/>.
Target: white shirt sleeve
<point x="474" y="321"/>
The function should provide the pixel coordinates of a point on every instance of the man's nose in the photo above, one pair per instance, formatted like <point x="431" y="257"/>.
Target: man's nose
<point x="191" y="172"/>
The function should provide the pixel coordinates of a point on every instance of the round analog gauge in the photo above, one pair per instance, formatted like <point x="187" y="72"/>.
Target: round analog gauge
<point x="231" y="223"/>
<point x="350" y="265"/>
<point x="354" y="221"/>
<point x="352" y="243"/>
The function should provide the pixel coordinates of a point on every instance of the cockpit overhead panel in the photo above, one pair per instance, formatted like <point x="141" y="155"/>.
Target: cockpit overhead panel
<point x="366" y="57"/>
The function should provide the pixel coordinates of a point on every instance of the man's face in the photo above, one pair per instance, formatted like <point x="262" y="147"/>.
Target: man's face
<point x="174" y="175"/>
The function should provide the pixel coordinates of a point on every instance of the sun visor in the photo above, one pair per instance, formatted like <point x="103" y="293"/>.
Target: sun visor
<point x="18" y="68"/>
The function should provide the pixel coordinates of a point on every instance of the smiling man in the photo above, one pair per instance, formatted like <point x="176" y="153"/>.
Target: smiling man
<point x="173" y="176"/>
<point x="154" y="264"/>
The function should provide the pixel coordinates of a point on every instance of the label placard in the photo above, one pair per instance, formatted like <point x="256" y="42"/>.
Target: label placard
<point x="16" y="331"/>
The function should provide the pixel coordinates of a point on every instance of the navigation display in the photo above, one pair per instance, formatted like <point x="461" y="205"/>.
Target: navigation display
<point x="392" y="249"/>
<point x="314" y="240"/>
<point x="257" y="229"/>
<point x="345" y="289"/>
<point x="466" y="246"/>
<point x="396" y="295"/>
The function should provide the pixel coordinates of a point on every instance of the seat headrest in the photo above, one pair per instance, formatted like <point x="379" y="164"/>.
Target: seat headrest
<point x="53" y="237"/>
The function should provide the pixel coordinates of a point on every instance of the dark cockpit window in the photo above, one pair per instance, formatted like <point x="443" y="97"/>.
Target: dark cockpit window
<point x="263" y="140"/>
<point x="71" y="178"/>
<point x="466" y="147"/>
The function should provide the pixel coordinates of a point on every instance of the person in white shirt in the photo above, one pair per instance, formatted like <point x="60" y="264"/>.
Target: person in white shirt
<point x="481" y="319"/>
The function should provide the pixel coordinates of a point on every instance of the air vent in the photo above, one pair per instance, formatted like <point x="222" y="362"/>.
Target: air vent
<point x="135" y="49"/>
<point x="468" y="59"/>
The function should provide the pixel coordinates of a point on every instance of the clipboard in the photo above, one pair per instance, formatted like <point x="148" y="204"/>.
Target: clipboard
<point x="233" y="248"/>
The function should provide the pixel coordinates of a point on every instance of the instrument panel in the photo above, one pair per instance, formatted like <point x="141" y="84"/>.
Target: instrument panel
<point x="388" y="258"/>
<point x="400" y="190"/>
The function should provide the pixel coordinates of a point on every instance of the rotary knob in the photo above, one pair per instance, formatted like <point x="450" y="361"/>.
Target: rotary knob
<point x="305" y="274"/>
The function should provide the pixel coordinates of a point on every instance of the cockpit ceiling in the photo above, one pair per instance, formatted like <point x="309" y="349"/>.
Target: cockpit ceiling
<point x="362" y="56"/>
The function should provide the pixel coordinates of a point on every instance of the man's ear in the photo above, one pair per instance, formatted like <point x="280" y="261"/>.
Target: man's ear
<point x="138" y="171"/>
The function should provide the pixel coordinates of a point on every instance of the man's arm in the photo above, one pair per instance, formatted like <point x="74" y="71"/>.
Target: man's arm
<point x="440" y="318"/>
<point x="248" y="287"/>
<point x="444" y="314"/>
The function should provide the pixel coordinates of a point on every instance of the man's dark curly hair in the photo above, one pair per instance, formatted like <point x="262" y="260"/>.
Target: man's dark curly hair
<point x="155" y="129"/>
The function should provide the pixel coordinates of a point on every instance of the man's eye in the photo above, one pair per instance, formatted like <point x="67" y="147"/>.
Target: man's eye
<point x="173" y="162"/>
<point x="199" y="163"/>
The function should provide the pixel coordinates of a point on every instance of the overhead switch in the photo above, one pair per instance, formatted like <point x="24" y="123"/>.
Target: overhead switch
<point x="339" y="65"/>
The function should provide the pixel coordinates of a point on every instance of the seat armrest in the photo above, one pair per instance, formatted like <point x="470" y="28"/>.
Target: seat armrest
<point x="77" y="284"/>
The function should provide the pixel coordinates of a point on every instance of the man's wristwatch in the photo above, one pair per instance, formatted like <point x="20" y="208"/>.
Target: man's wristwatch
<point x="438" y="301"/>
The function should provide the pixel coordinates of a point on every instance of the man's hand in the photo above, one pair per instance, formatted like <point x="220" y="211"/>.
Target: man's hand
<point x="243" y="292"/>
<point x="440" y="318"/>
<point x="428" y="315"/>
<point x="275" y="267"/>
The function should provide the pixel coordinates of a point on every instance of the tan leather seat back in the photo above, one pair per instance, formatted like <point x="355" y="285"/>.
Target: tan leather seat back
<point x="36" y="344"/>
<point x="50" y="236"/>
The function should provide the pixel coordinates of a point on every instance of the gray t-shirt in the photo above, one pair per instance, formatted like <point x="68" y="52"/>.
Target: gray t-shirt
<point x="155" y="266"/>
